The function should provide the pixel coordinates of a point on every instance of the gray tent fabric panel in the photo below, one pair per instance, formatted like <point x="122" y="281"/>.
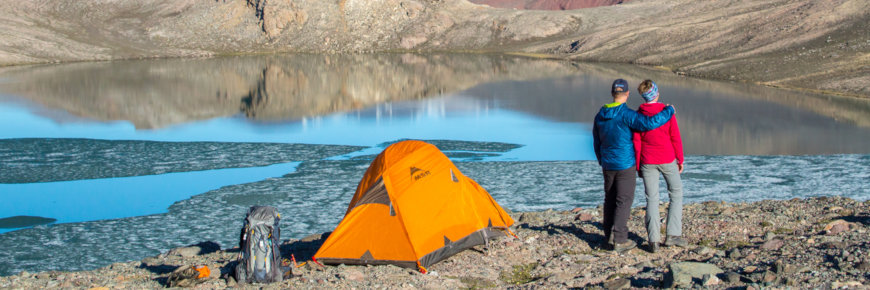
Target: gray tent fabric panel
<point x="367" y="257"/>
<point x="478" y="237"/>
<point x="377" y="193"/>
<point x="447" y="241"/>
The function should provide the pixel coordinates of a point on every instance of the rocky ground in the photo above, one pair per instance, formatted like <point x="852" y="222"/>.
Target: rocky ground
<point x="805" y="44"/>
<point x="801" y="243"/>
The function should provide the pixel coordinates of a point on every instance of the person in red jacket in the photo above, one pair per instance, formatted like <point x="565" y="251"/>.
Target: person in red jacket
<point x="660" y="151"/>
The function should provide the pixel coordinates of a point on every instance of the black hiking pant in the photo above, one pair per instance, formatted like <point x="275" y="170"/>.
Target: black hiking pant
<point x="618" y="197"/>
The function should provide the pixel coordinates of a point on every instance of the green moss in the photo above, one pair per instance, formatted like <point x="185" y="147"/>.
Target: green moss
<point x="477" y="282"/>
<point x="765" y="224"/>
<point x="733" y="244"/>
<point x="521" y="274"/>
<point x="568" y="251"/>
<point x="706" y="243"/>
<point x="782" y="231"/>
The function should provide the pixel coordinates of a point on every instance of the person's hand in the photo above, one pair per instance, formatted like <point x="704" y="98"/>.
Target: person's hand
<point x="672" y="106"/>
<point x="640" y="174"/>
<point x="680" y="166"/>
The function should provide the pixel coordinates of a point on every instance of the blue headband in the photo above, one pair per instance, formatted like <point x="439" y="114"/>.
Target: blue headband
<point x="651" y="94"/>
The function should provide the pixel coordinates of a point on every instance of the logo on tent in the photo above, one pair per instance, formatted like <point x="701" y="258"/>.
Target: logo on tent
<point x="417" y="176"/>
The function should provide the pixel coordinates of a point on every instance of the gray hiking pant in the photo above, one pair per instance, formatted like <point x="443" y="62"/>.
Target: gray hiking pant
<point x="675" y="208"/>
<point x="618" y="195"/>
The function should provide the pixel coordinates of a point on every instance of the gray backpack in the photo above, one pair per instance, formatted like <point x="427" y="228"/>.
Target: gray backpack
<point x="260" y="258"/>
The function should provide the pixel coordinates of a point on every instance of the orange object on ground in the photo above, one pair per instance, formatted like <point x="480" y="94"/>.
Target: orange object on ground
<point x="413" y="208"/>
<point x="203" y="270"/>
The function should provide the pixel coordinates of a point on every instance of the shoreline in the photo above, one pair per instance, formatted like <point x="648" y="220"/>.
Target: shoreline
<point x="813" y="242"/>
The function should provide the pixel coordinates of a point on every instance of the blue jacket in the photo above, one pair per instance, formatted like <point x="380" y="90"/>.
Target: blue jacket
<point x="611" y="133"/>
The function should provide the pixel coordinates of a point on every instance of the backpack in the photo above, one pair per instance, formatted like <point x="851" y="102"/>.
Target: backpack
<point x="260" y="258"/>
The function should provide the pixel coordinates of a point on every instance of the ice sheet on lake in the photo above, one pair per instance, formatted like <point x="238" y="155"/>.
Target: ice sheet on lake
<point x="44" y="160"/>
<point x="314" y="199"/>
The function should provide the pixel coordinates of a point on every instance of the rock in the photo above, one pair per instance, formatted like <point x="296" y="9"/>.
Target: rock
<point x="833" y="245"/>
<point x="311" y="238"/>
<point x="152" y="261"/>
<point x="749" y="269"/>
<point x="231" y="281"/>
<point x="836" y="227"/>
<point x="583" y="217"/>
<point x="849" y="284"/>
<point x="185" y="252"/>
<point x="577" y="210"/>
<point x="43" y="276"/>
<point x="864" y="266"/>
<point x="353" y="275"/>
<point x="644" y="265"/>
<point x="24" y="274"/>
<point x="682" y="273"/>
<point x="732" y="277"/>
<point x="734" y="254"/>
<point x="769" y="277"/>
<point x="710" y="280"/>
<point x="769" y="236"/>
<point x="774" y="244"/>
<point x="196" y="249"/>
<point x="617" y="284"/>
<point x="704" y="251"/>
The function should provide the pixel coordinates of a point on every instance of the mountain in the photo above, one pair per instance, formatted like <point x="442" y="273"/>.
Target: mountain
<point x="803" y="44"/>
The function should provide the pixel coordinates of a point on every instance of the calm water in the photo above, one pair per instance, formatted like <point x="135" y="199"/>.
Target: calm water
<point x="298" y="131"/>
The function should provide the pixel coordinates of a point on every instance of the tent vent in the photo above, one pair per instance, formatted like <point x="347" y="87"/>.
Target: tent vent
<point x="447" y="241"/>
<point x="367" y="257"/>
<point x="453" y="176"/>
<point x="393" y="211"/>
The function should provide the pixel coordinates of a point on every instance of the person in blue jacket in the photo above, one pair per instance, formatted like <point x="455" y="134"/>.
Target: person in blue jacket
<point x="611" y="134"/>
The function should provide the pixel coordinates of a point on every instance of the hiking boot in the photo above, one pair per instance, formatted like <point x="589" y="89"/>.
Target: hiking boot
<point x="622" y="247"/>
<point x="654" y="247"/>
<point x="676" y="241"/>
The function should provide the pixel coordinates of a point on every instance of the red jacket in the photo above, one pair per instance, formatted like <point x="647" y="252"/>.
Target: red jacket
<point x="661" y="145"/>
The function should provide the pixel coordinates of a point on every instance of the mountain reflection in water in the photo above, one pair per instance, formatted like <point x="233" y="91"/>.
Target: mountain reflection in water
<point x="715" y="117"/>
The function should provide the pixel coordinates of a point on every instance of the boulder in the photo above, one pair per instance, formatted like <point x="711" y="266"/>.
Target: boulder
<point x="681" y="274"/>
<point x="197" y="249"/>
<point x="836" y="227"/>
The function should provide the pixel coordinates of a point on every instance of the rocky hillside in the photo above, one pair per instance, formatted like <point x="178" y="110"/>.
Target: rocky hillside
<point x="547" y="4"/>
<point x="807" y="44"/>
<point x="812" y="243"/>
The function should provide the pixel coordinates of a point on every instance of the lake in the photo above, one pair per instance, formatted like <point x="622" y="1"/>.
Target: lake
<point x="163" y="153"/>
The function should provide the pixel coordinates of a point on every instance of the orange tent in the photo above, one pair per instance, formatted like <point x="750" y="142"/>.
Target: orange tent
<point x="413" y="208"/>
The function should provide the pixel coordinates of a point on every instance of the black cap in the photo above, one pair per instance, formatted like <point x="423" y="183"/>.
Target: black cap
<point x="619" y="86"/>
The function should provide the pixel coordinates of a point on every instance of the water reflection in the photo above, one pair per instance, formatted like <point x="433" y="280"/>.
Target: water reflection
<point x="294" y="98"/>
<point x="717" y="118"/>
<point x="156" y="93"/>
